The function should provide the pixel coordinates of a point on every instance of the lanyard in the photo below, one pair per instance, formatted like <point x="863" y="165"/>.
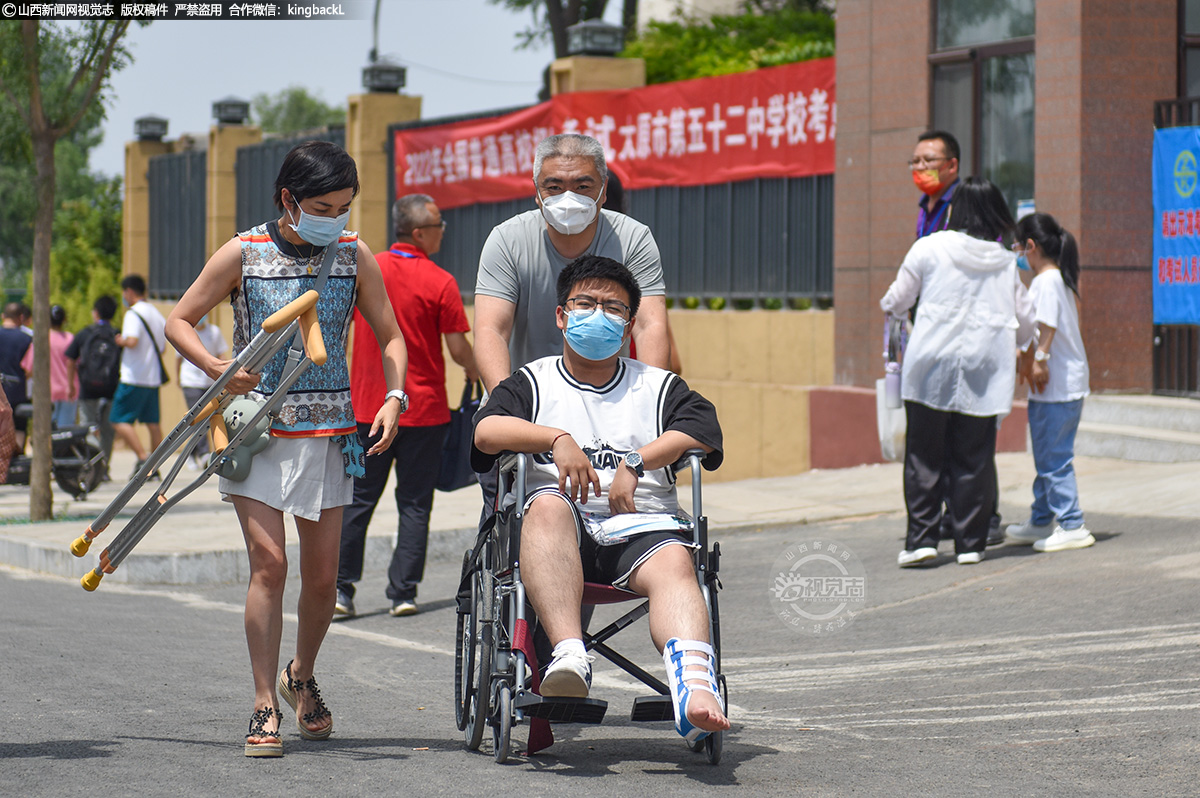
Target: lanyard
<point x="402" y="253"/>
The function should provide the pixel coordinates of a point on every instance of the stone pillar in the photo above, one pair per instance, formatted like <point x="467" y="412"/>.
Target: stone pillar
<point x="367" y="120"/>
<point x="135" y="211"/>
<point x="596" y="73"/>
<point x="221" y="195"/>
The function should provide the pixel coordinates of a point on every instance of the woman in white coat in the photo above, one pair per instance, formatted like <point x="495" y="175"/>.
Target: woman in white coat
<point x="959" y="370"/>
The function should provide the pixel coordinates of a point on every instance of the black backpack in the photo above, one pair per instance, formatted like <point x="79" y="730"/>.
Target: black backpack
<point x="99" y="364"/>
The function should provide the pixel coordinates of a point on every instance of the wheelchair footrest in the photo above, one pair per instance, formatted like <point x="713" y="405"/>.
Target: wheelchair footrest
<point x="649" y="708"/>
<point x="562" y="710"/>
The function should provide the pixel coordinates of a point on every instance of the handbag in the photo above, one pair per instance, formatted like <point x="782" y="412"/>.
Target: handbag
<point x="456" y="471"/>
<point x="162" y="370"/>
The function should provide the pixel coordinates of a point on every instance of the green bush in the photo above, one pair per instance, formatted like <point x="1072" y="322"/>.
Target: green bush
<point x="724" y="45"/>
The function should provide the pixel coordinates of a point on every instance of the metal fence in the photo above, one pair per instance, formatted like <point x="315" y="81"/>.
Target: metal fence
<point x="256" y="169"/>
<point x="177" y="184"/>
<point x="753" y="240"/>
<point x="1177" y="346"/>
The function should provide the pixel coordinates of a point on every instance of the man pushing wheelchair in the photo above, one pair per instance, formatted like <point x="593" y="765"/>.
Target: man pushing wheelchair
<point x="604" y="432"/>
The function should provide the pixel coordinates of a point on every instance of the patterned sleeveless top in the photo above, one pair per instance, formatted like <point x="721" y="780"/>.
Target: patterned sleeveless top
<point x="318" y="405"/>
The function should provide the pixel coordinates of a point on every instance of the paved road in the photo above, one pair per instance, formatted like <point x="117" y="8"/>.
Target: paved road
<point x="1025" y="675"/>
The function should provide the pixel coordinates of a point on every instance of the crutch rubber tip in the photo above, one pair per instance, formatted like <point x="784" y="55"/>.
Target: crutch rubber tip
<point x="81" y="545"/>
<point x="91" y="580"/>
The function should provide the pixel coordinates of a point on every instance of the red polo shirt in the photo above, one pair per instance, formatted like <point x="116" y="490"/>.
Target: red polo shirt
<point x="427" y="304"/>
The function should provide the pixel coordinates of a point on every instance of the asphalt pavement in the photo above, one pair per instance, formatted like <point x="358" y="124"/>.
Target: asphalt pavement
<point x="1028" y="674"/>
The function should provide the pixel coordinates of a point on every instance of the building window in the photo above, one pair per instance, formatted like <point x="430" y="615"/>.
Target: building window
<point x="1189" y="48"/>
<point x="982" y="88"/>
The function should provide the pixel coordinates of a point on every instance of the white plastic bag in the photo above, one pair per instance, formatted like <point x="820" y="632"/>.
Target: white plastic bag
<point x="891" y="423"/>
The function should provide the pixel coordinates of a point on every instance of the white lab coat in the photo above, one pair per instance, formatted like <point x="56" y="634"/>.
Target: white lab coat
<point x="973" y="313"/>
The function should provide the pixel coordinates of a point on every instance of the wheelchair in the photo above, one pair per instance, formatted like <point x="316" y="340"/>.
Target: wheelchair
<point x="494" y="657"/>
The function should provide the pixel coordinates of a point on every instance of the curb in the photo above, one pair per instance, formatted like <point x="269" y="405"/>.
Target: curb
<point x="229" y="566"/>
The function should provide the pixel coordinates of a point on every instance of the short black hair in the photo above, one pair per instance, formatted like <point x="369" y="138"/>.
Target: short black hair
<point x="980" y="210"/>
<point x="596" y="267"/>
<point x="57" y="315"/>
<point x="947" y="139"/>
<point x="135" y="283"/>
<point x="105" y="307"/>
<point x="313" y="168"/>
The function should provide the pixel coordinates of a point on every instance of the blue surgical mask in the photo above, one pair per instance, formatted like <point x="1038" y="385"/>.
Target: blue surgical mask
<point x="319" y="230"/>
<point x="594" y="334"/>
<point x="1022" y="263"/>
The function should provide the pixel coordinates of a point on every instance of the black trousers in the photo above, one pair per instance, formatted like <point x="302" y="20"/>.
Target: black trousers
<point x="417" y="455"/>
<point x="949" y="458"/>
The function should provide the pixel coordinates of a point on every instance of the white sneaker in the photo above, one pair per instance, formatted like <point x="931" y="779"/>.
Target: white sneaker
<point x="970" y="557"/>
<point x="1025" y="533"/>
<point x="908" y="559"/>
<point x="1064" y="539"/>
<point x="569" y="676"/>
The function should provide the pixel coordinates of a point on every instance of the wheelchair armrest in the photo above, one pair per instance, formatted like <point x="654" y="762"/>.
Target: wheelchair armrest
<point x="509" y="460"/>
<point x="685" y="462"/>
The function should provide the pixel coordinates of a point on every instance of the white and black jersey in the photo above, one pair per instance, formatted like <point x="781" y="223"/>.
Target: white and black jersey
<point x="608" y="421"/>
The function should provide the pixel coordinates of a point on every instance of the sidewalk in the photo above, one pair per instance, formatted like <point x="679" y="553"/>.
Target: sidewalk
<point x="199" y="541"/>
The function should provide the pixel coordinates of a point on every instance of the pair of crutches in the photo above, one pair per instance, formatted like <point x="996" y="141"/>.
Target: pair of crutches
<point x="245" y="432"/>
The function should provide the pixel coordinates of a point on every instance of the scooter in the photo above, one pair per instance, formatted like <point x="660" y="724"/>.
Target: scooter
<point x="76" y="461"/>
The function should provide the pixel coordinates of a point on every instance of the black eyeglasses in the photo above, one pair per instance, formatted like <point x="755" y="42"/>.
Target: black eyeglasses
<point x="612" y="307"/>
<point x="925" y="163"/>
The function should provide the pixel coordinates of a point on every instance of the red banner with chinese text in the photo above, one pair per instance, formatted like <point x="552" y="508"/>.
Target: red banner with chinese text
<point x="777" y="122"/>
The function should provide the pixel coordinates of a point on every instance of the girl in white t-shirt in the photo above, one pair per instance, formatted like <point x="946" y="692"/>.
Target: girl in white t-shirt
<point x="1057" y="371"/>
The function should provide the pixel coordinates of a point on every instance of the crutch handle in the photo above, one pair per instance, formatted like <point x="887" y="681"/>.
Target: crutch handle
<point x="291" y="311"/>
<point x="314" y="344"/>
<point x="91" y="580"/>
<point x="208" y="410"/>
<point x="220" y="435"/>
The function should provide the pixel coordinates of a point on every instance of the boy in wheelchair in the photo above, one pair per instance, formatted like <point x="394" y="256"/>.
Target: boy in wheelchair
<point x="603" y="432"/>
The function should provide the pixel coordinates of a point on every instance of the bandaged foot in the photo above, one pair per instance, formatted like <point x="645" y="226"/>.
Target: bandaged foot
<point x="699" y="710"/>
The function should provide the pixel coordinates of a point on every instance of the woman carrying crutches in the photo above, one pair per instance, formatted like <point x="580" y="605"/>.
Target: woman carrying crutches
<point x="307" y="468"/>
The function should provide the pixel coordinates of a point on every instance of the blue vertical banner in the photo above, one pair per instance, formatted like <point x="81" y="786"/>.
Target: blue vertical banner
<point x="1176" y="266"/>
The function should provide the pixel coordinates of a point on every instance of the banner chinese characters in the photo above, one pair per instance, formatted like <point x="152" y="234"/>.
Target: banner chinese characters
<point x="776" y="122"/>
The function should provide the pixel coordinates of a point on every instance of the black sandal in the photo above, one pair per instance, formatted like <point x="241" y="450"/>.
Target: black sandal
<point x="258" y="728"/>
<point x="288" y="687"/>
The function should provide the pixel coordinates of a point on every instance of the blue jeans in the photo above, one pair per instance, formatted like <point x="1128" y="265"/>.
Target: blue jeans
<point x="1052" y="428"/>
<point x="63" y="414"/>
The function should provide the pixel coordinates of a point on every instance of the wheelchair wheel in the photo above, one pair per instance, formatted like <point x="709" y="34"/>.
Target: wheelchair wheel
<point x="713" y="744"/>
<point x="480" y="675"/>
<point x="502" y="731"/>
<point x="464" y="656"/>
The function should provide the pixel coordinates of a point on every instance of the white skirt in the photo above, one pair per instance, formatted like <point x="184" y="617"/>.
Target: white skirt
<point x="301" y="476"/>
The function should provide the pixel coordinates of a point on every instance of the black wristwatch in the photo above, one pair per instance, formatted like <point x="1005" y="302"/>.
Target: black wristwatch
<point x="634" y="461"/>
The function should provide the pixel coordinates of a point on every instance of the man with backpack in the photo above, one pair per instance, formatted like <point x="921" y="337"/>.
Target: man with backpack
<point x="95" y="358"/>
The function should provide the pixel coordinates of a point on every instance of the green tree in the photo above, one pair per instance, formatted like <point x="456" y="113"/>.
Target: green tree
<point x="50" y="104"/>
<point x="85" y="259"/>
<point x="293" y="110"/>
<point x="18" y="172"/>
<point x="722" y="45"/>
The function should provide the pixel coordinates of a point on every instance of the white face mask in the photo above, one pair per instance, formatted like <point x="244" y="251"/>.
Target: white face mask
<point x="569" y="213"/>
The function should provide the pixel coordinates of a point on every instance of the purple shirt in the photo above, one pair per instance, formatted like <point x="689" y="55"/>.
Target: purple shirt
<point x="931" y="220"/>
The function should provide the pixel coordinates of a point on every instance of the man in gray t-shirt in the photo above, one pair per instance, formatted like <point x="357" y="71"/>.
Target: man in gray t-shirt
<point x="520" y="262"/>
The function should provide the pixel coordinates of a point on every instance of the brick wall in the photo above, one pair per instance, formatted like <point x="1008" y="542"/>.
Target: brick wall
<point x="1100" y="64"/>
